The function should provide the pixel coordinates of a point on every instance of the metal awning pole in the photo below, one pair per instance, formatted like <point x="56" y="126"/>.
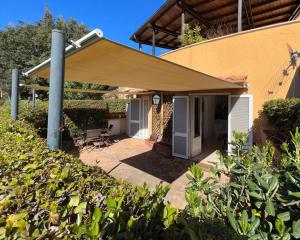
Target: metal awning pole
<point x="56" y="90"/>
<point x="240" y="15"/>
<point x="33" y="97"/>
<point x="153" y="42"/>
<point x="14" y="94"/>
<point x="140" y="47"/>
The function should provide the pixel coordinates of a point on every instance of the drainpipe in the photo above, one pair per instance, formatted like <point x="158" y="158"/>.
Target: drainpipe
<point x="56" y="90"/>
<point x="14" y="94"/>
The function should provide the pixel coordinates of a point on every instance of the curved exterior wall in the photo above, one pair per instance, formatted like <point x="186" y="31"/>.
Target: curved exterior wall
<point x="260" y="54"/>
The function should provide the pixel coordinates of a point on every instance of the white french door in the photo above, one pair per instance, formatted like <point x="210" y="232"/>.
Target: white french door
<point x="180" y="136"/>
<point x="134" y="117"/>
<point x="196" y="125"/>
<point x="240" y="117"/>
<point x="138" y="118"/>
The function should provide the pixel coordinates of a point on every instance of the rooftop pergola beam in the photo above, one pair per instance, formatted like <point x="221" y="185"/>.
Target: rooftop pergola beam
<point x="256" y="6"/>
<point x="262" y="23"/>
<point x="192" y="12"/>
<point x="248" y="4"/>
<point x="164" y="30"/>
<point x="153" y="22"/>
<point x="245" y="6"/>
<point x="295" y="13"/>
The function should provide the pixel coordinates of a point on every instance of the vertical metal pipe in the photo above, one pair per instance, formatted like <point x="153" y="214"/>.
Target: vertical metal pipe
<point x="33" y="97"/>
<point x="153" y="42"/>
<point x="56" y="90"/>
<point x="240" y="15"/>
<point x="182" y="22"/>
<point x="14" y="94"/>
<point x="140" y="47"/>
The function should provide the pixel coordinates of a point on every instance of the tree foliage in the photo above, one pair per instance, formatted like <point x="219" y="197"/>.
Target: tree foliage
<point x="25" y="45"/>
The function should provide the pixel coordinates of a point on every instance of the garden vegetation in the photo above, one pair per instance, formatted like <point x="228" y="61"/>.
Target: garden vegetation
<point x="52" y="195"/>
<point x="283" y="114"/>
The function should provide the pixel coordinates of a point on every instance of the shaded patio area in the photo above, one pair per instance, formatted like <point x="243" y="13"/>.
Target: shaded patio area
<point x="134" y="160"/>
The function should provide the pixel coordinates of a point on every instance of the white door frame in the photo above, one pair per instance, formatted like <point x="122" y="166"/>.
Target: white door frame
<point x="192" y="123"/>
<point x="145" y="131"/>
<point x="250" y="126"/>
<point x="179" y="134"/>
<point x="135" y="121"/>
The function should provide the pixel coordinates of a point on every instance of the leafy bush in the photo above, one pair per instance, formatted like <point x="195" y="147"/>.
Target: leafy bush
<point x="261" y="199"/>
<point x="78" y="114"/>
<point x="49" y="194"/>
<point x="191" y="35"/>
<point x="284" y="114"/>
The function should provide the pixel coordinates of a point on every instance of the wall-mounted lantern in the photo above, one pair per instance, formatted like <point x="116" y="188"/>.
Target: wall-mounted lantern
<point x="156" y="99"/>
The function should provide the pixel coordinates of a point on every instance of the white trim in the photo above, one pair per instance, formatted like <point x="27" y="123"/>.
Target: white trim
<point x="250" y="126"/>
<point x="192" y="123"/>
<point x="135" y="121"/>
<point x="179" y="134"/>
<point x="209" y="94"/>
<point x="75" y="45"/>
<point x="145" y="132"/>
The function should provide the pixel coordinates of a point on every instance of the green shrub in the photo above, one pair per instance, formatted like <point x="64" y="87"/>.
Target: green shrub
<point x="49" y="194"/>
<point x="261" y="199"/>
<point x="78" y="114"/>
<point x="283" y="114"/>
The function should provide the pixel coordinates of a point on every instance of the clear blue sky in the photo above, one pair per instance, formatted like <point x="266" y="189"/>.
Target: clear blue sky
<point x="118" y="19"/>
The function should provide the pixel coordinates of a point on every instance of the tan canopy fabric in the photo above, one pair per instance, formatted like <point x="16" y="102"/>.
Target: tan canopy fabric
<point x="109" y="63"/>
<point x="95" y="91"/>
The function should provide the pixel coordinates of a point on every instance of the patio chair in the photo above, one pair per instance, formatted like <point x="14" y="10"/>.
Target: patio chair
<point x="105" y="135"/>
<point x="90" y="137"/>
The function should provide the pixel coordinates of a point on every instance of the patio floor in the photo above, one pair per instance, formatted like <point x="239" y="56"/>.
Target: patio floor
<point x="134" y="160"/>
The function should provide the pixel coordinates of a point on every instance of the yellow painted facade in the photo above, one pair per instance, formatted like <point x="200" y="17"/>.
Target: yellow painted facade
<point x="260" y="54"/>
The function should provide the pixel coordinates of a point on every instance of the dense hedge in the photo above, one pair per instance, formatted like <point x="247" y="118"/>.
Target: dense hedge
<point x="52" y="195"/>
<point x="78" y="114"/>
<point x="48" y="194"/>
<point x="283" y="114"/>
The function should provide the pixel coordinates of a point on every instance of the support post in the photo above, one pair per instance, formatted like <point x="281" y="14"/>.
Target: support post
<point x="14" y="94"/>
<point x="56" y="90"/>
<point x="240" y="15"/>
<point x="153" y="42"/>
<point x="33" y="97"/>
<point x="182" y="23"/>
<point x="140" y="47"/>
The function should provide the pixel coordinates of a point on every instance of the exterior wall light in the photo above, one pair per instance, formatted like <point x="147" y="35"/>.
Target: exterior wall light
<point x="156" y="99"/>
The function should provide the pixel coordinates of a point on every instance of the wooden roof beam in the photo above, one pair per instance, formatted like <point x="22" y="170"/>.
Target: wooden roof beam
<point x="192" y="12"/>
<point x="256" y="6"/>
<point x="295" y="13"/>
<point x="245" y="6"/>
<point x="263" y="18"/>
<point x="248" y="4"/>
<point x="164" y="30"/>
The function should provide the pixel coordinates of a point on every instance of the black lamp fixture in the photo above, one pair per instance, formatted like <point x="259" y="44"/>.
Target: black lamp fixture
<point x="156" y="99"/>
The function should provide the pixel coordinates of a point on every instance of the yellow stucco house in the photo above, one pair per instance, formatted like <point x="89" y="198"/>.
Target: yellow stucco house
<point x="196" y="96"/>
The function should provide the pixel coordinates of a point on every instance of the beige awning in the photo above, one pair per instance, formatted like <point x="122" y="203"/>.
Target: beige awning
<point x="102" y="61"/>
<point x="95" y="91"/>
